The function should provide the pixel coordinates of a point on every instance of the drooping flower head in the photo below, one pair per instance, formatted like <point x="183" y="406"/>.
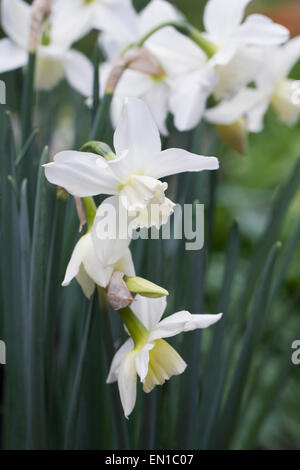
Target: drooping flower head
<point x="94" y="260"/>
<point x="146" y="353"/>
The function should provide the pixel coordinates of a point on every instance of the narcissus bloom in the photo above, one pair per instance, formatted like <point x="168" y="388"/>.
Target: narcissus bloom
<point x="93" y="261"/>
<point x="274" y="88"/>
<point x="237" y="57"/>
<point x="134" y="175"/>
<point x="277" y="90"/>
<point x="146" y="354"/>
<point x="78" y="17"/>
<point x="54" y="58"/>
<point x="176" y="55"/>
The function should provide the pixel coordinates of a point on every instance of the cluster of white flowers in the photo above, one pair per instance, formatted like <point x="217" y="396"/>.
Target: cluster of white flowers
<point x="242" y="66"/>
<point x="220" y="63"/>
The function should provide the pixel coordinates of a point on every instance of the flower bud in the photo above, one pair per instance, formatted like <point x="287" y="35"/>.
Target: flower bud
<point x="234" y="135"/>
<point x="141" y="286"/>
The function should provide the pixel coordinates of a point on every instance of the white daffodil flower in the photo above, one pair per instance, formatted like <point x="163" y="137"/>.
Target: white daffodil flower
<point x="274" y="88"/>
<point x="226" y="31"/>
<point x="237" y="58"/>
<point x="134" y="175"/>
<point x="93" y="260"/>
<point x="54" y="58"/>
<point x="146" y="354"/>
<point x="176" y="54"/>
<point x="77" y="17"/>
<point x="277" y="90"/>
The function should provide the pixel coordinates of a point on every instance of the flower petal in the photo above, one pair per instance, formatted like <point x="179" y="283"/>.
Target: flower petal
<point x="117" y="359"/>
<point x="149" y="311"/>
<point x="12" y="56"/>
<point x="74" y="263"/>
<point x="86" y="283"/>
<point x="221" y="18"/>
<point x="229" y="111"/>
<point x="182" y="321"/>
<point x="156" y="12"/>
<point x="99" y="272"/>
<point x="189" y="95"/>
<point x="125" y="264"/>
<point x="164" y="362"/>
<point x="79" y="72"/>
<point x="110" y="231"/>
<point x="71" y="19"/>
<point x="16" y="17"/>
<point x="81" y="174"/>
<point x="255" y="118"/>
<point x="289" y="54"/>
<point x="174" y="161"/>
<point x="127" y="382"/>
<point x="142" y="361"/>
<point x="261" y="30"/>
<point x="118" y="18"/>
<point x="137" y="133"/>
<point x="239" y="72"/>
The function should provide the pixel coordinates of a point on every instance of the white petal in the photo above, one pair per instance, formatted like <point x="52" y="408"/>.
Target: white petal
<point x="125" y="264"/>
<point x="137" y="133"/>
<point x="174" y="161"/>
<point x="86" y="283"/>
<point x="189" y="95"/>
<point x="142" y="361"/>
<point x="240" y="71"/>
<point x="149" y="311"/>
<point x="164" y="362"/>
<point x="157" y="99"/>
<point x="71" y="19"/>
<point x="289" y="55"/>
<point x="176" y="53"/>
<point x="255" y="118"/>
<point x="154" y="93"/>
<point x="110" y="231"/>
<point x="260" y="30"/>
<point x="79" y="72"/>
<point x="74" y="263"/>
<point x="12" y="56"/>
<point x="127" y="383"/>
<point x="117" y="359"/>
<point x="49" y="72"/>
<point x="182" y="321"/>
<point x="221" y="18"/>
<point x="118" y="18"/>
<point x="100" y="273"/>
<point x="156" y="12"/>
<point x="229" y="111"/>
<point x="81" y="174"/>
<point x="16" y="17"/>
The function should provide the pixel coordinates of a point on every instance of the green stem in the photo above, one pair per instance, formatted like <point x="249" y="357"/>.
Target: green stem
<point x="135" y="327"/>
<point x="184" y="28"/>
<point x="90" y="210"/>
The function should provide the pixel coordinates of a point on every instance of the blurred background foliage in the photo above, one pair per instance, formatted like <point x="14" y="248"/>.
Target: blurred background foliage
<point x="245" y="190"/>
